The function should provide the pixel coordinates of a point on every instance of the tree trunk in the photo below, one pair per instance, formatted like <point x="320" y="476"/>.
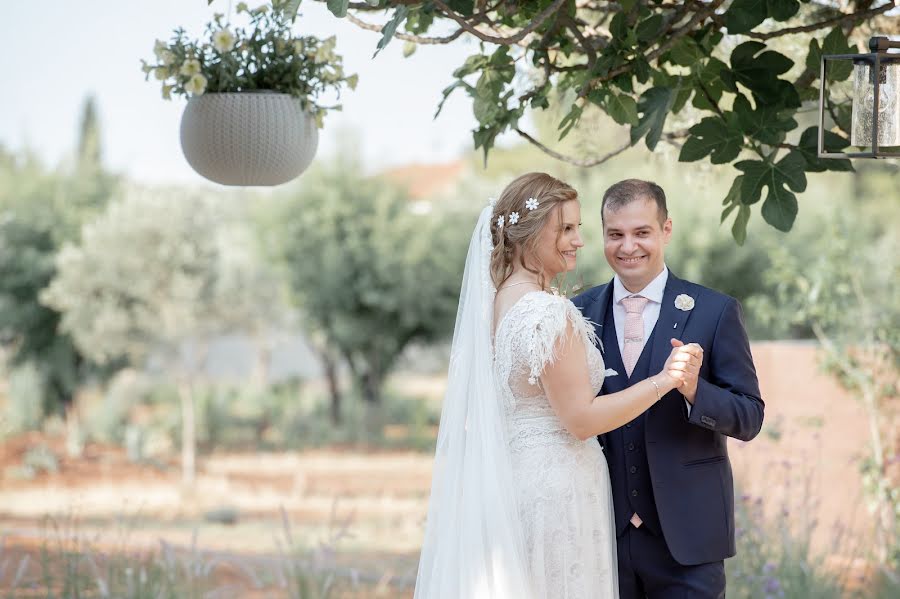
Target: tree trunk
<point x="329" y="359"/>
<point x="188" y="435"/>
<point x="330" y="365"/>
<point x="373" y="377"/>
<point x="262" y="364"/>
<point x="371" y="393"/>
<point x="74" y="442"/>
<point x="371" y="387"/>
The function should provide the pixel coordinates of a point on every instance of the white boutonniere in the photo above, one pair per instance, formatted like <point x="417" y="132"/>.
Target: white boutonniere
<point x="610" y="372"/>
<point x="684" y="302"/>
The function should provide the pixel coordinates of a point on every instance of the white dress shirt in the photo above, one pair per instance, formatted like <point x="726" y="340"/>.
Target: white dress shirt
<point x="654" y="293"/>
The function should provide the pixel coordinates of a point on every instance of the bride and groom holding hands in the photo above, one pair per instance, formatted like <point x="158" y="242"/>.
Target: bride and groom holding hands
<point x="582" y="445"/>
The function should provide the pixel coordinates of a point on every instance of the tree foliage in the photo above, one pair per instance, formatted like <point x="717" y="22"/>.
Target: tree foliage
<point x="27" y="328"/>
<point x="89" y="154"/>
<point x="39" y="211"/>
<point x="712" y="64"/>
<point x="143" y="279"/>
<point x="368" y="273"/>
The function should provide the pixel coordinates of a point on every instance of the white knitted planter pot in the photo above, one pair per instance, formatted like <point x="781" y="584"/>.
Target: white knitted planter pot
<point x="248" y="138"/>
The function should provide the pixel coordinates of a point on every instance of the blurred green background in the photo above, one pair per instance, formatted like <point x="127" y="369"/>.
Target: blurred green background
<point x="208" y="391"/>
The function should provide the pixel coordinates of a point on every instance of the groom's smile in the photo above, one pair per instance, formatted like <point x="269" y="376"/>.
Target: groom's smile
<point x="632" y="260"/>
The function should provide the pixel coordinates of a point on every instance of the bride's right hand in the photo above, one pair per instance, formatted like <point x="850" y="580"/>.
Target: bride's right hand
<point x="683" y="361"/>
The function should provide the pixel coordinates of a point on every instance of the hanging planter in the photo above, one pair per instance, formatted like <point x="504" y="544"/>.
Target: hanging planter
<point x="248" y="138"/>
<point x="253" y="110"/>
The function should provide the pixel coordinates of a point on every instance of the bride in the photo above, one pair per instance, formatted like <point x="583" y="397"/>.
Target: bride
<point x="520" y="503"/>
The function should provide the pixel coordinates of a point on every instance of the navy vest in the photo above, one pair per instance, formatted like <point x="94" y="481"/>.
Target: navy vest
<point x="626" y="447"/>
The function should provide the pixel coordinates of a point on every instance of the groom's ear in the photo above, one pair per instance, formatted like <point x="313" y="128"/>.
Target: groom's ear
<point x="667" y="230"/>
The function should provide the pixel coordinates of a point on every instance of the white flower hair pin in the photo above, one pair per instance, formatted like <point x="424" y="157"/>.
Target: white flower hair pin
<point x="684" y="302"/>
<point x="514" y="217"/>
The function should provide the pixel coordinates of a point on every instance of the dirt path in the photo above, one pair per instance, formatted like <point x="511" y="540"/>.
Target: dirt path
<point x="806" y="461"/>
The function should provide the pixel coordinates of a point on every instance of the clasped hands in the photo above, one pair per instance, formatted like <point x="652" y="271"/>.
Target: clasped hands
<point x="683" y="367"/>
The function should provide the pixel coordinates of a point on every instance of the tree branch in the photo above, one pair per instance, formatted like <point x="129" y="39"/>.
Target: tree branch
<point x="588" y="49"/>
<point x="809" y="75"/>
<point x="710" y="99"/>
<point x="504" y="41"/>
<point x="592" y="161"/>
<point x="406" y="36"/>
<point x="569" y="159"/>
<point x="841" y="20"/>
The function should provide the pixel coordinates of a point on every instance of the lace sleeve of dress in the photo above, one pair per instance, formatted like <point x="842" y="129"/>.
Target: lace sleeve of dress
<point x="550" y="322"/>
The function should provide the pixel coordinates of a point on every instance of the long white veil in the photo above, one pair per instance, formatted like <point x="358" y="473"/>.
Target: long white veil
<point x="473" y="546"/>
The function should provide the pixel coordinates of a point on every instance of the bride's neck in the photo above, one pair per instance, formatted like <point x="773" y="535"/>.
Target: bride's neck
<point x="520" y="276"/>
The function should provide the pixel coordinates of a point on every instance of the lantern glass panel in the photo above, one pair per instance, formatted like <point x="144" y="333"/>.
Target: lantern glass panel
<point x="888" y="103"/>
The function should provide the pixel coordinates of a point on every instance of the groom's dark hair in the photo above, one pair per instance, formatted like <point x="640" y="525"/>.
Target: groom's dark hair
<point x="624" y="192"/>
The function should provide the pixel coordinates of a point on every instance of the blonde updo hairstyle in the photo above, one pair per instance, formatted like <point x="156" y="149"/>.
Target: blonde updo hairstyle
<point x="519" y="241"/>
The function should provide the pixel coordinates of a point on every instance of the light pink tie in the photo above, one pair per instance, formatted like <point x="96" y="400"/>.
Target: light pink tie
<point x="634" y="344"/>
<point x="634" y="331"/>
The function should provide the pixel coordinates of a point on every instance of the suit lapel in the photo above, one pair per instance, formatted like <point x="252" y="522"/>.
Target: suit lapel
<point x="606" y="331"/>
<point x="670" y="324"/>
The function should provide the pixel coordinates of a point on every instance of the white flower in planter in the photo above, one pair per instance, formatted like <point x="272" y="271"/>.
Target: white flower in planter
<point x="196" y="85"/>
<point x="167" y="58"/>
<point x="325" y="51"/>
<point x="190" y="67"/>
<point x="270" y="73"/>
<point x="223" y="40"/>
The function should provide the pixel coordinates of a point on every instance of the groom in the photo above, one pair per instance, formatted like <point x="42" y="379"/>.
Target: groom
<point x="671" y="478"/>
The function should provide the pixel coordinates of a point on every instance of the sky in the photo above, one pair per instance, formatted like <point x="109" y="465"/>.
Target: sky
<point x="60" y="51"/>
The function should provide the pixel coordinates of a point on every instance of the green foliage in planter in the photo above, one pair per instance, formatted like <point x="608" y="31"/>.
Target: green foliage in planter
<point x="263" y="56"/>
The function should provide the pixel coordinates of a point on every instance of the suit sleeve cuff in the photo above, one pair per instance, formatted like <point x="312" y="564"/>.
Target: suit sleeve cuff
<point x="697" y="415"/>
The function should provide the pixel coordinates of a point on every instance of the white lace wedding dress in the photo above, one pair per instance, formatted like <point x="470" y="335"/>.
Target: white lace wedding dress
<point x="561" y="483"/>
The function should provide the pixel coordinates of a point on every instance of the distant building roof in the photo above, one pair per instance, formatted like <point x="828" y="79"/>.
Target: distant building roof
<point x="425" y="181"/>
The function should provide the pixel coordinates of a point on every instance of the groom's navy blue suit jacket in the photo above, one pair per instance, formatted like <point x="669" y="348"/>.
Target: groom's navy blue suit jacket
<point x="686" y="456"/>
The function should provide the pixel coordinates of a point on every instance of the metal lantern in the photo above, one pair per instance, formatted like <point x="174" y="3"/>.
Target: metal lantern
<point x="875" y="120"/>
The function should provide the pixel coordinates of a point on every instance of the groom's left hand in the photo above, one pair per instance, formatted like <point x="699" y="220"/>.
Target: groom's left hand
<point x="690" y="375"/>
